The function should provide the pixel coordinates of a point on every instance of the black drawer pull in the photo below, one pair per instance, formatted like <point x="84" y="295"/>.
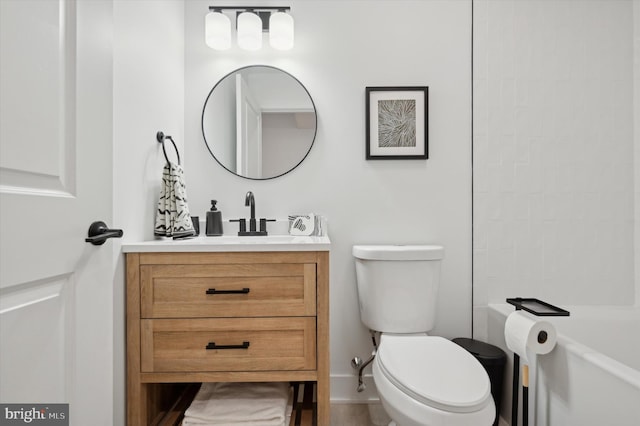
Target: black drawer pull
<point x="212" y="345"/>
<point x="214" y="291"/>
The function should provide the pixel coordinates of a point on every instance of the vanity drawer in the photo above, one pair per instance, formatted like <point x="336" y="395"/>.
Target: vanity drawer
<point x="180" y="345"/>
<point x="228" y="290"/>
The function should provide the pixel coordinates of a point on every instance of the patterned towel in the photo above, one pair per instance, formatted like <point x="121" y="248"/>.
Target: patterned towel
<point x="173" y="218"/>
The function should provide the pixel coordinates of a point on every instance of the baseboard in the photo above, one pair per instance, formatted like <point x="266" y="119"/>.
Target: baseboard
<point x="344" y="389"/>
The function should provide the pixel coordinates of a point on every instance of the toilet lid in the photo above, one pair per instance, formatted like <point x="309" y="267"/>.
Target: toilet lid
<point x="434" y="371"/>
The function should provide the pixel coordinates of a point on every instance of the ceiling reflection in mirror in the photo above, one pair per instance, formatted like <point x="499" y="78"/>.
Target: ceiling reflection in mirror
<point x="259" y="122"/>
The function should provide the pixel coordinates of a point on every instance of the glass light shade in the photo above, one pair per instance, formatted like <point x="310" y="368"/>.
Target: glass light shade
<point x="249" y="31"/>
<point x="281" y="31"/>
<point x="217" y="28"/>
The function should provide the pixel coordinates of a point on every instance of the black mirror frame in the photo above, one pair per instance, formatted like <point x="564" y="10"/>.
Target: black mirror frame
<point x="315" y="113"/>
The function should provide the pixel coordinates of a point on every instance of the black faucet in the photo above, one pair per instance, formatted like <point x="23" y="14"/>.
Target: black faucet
<point x="249" y="200"/>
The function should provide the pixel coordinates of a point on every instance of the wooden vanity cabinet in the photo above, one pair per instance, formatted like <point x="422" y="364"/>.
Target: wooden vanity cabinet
<point x="224" y="317"/>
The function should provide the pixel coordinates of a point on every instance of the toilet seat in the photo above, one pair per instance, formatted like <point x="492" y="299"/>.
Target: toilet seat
<point x="435" y="372"/>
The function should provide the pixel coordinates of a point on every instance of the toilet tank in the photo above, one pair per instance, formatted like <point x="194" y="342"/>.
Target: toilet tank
<point x="398" y="286"/>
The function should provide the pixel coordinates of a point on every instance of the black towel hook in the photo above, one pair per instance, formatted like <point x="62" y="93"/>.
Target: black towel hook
<point x="160" y="136"/>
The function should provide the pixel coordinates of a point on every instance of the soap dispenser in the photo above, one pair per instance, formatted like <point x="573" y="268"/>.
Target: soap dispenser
<point x="214" y="221"/>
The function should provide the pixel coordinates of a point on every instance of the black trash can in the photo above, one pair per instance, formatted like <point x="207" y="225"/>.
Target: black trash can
<point x="493" y="359"/>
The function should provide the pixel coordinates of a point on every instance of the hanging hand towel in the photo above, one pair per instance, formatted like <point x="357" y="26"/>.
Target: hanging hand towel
<point x="173" y="218"/>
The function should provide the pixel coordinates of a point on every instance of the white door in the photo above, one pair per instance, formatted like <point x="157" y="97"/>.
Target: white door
<point x="249" y="131"/>
<point x="56" y="307"/>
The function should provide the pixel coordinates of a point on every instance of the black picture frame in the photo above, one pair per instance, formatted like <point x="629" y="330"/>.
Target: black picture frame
<point x="397" y="123"/>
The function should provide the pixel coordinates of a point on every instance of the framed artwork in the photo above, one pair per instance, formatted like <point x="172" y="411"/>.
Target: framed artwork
<point x="397" y="123"/>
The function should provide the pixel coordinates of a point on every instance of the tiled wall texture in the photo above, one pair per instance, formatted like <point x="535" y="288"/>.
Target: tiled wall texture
<point x="636" y="103"/>
<point x="553" y="151"/>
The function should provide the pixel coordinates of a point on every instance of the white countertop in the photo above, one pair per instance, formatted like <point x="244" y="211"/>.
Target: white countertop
<point x="229" y="243"/>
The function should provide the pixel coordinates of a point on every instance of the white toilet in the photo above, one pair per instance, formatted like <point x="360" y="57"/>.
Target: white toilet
<point x="422" y="380"/>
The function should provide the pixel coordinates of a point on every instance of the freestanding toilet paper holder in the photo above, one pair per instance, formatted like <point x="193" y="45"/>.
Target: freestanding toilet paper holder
<point x="541" y="309"/>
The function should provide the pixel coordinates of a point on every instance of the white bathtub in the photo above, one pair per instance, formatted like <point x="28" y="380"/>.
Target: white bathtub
<point x="592" y="377"/>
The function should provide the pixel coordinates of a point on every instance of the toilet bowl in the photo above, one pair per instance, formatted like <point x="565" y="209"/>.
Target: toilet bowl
<point x="431" y="381"/>
<point x="422" y="380"/>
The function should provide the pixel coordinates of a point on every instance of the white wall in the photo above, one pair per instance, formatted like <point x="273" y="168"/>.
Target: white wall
<point x="553" y="152"/>
<point x="148" y="96"/>
<point x="342" y="47"/>
<point x="636" y="114"/>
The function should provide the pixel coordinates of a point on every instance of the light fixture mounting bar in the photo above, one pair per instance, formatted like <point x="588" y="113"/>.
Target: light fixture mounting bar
<point x="280" y="8"/>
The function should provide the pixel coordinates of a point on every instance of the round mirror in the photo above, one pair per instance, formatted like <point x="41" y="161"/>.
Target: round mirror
<point x="259" y="122"/>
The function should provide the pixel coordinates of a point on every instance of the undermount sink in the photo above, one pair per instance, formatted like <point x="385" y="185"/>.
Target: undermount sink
<point x="266" y="239"/>
<point x="252" y="239"/>
<point x="232" y="243"/>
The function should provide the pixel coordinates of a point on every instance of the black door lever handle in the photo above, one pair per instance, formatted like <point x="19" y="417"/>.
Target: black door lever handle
<point x="98" y="233"/>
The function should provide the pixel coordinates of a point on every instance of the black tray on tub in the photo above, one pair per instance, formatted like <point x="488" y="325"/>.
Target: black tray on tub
<point x="537" y="307"/>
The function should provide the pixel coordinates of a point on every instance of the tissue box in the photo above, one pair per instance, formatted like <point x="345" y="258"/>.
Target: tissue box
<point x="302" y="224"/>
<point x="307" y="224"/>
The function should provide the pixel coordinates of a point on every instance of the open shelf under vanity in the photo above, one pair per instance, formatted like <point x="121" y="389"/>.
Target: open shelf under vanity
<point x="171" y="411"/>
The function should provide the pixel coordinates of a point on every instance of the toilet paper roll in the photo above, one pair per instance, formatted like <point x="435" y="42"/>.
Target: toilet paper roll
<point x="528" y="336"/>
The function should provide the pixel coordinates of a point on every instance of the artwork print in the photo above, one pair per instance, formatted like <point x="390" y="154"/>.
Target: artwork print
<point x="397" y="123"/>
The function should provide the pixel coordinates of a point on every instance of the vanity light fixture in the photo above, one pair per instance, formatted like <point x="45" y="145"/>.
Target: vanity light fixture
<point x="249" y="31"/>
<point x="251" y="22"/>
<point x="281" y="30"/>
<point x="217" y="27"/>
